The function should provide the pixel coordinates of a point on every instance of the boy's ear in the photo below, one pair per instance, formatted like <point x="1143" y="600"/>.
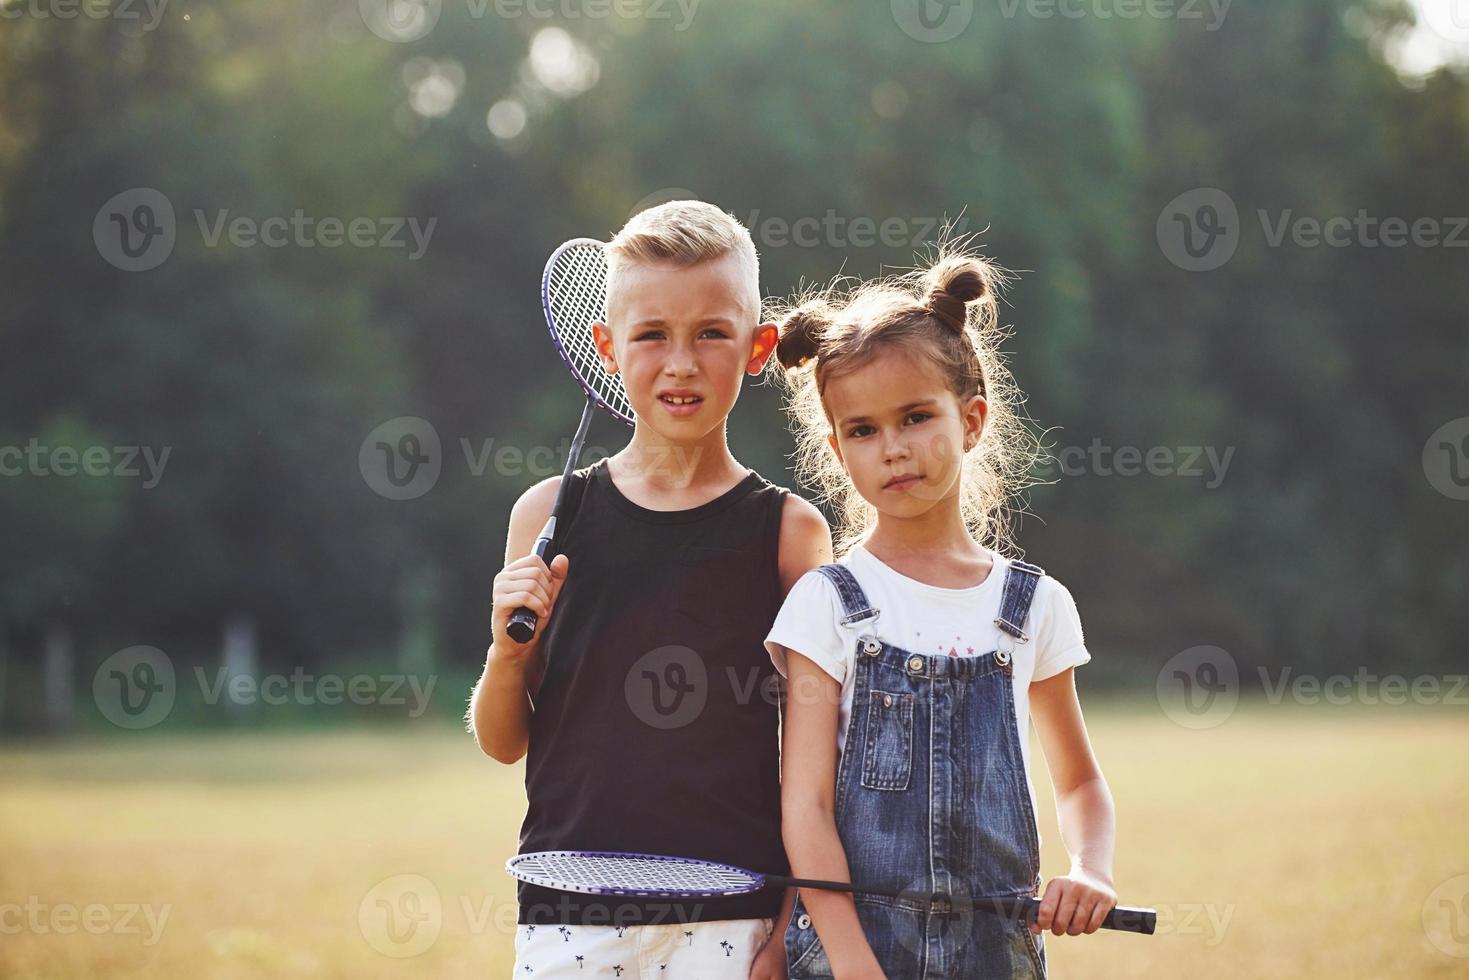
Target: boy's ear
<point x="767" y="335"/>
<point x="602" y="337"/>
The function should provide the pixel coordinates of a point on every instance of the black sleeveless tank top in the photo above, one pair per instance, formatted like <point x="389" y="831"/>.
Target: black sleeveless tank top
<point x="655" y="727"/>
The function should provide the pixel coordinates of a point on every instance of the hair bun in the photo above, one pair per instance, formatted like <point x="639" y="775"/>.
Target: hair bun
<point x="955" y="283"/>
<point x="801" y="333"/>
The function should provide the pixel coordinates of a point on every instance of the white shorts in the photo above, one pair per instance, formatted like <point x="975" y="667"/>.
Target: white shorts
<point x="719" y="950"/>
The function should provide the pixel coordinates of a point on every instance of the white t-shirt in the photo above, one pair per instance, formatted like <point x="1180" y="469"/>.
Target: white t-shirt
<point x="923" y="618"/>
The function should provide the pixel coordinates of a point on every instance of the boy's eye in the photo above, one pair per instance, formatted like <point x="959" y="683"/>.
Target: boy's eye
<point x="714" y="331"/>
<point x="649" y="335"/>
<point x="920" y="416"/>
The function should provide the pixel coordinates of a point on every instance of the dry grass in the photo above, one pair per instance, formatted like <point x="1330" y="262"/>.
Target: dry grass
<point x="1284" y="843"/>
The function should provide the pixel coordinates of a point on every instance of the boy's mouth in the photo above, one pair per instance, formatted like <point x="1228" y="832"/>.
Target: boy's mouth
<point x="681" y="403"/>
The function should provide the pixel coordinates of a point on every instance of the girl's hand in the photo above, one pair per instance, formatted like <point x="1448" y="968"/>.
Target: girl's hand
<point x="770" y="962"/>
<point x="1075" y="903"/>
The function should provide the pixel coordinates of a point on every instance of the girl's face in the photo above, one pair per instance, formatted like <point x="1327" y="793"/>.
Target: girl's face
<point x="901" y="433"/>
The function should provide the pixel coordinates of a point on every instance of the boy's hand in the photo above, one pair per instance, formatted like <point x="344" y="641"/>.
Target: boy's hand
<point x="770" y="962"/>
<point x="1075" y="903"/>
<point x="525" y="582"/>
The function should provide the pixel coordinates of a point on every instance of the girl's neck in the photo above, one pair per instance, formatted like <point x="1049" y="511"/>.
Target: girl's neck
<point x="938" y="536"/>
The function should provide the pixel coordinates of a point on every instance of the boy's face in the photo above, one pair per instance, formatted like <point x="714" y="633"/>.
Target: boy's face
<point x="901" y="433"/>
<point x="682" y="335"/>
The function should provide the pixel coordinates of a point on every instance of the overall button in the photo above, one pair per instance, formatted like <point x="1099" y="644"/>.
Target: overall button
<point x="871" y="646"/>
<point x="803" y="921"/>
<point x="915" y="664"/>
<point x="887" y="700"/>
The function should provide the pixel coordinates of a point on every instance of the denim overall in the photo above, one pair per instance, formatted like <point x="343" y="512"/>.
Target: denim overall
<point x="931" y="797"/>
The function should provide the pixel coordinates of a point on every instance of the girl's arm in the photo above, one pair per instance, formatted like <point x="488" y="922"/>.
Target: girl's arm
<point x="1076" y="902"/>
<point x="808" y="814"/>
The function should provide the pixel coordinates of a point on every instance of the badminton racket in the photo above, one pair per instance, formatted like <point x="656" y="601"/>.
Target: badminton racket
<point x="659" y="876"/>
<point x="574" y="296"/>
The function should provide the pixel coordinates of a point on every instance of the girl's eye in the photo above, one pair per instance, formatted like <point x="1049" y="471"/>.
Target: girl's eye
<point x="920" y="416"/>
<point x="858" y="431"/>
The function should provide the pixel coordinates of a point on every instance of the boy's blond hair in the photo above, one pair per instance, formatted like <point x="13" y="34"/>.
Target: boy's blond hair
<point x="684" y="233"/>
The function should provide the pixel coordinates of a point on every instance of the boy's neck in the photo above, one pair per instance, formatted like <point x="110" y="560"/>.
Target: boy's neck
<point x="658" y="466"/>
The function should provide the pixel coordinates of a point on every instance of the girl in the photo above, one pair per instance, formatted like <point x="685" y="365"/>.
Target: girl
<point x="915" y="663"/>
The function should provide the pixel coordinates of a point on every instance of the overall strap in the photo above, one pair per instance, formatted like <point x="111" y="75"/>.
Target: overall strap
<point x="854" y="601"/>
<point x="1020" y="583"/>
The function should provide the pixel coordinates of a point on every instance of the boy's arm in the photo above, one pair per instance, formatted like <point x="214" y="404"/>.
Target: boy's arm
<point x="1077" y="901"/>
<point x="500" y="707"/>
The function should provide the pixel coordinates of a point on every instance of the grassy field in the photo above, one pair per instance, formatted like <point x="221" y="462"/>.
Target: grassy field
<point x="1285" y="843"/>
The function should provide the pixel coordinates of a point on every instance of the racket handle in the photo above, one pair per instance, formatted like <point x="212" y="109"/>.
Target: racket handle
<point x="1123" y="918"/>
<point x="522" y="625"/>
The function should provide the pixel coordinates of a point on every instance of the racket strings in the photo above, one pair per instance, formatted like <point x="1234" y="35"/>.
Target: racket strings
<point x="576" y="297"/>
<point x="616" y="874"/>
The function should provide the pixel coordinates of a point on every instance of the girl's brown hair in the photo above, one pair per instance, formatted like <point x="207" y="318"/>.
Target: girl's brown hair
<point x="946" y="313"/>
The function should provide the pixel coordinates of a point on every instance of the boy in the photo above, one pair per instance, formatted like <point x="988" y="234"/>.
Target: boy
<point x="643" y="705"/>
